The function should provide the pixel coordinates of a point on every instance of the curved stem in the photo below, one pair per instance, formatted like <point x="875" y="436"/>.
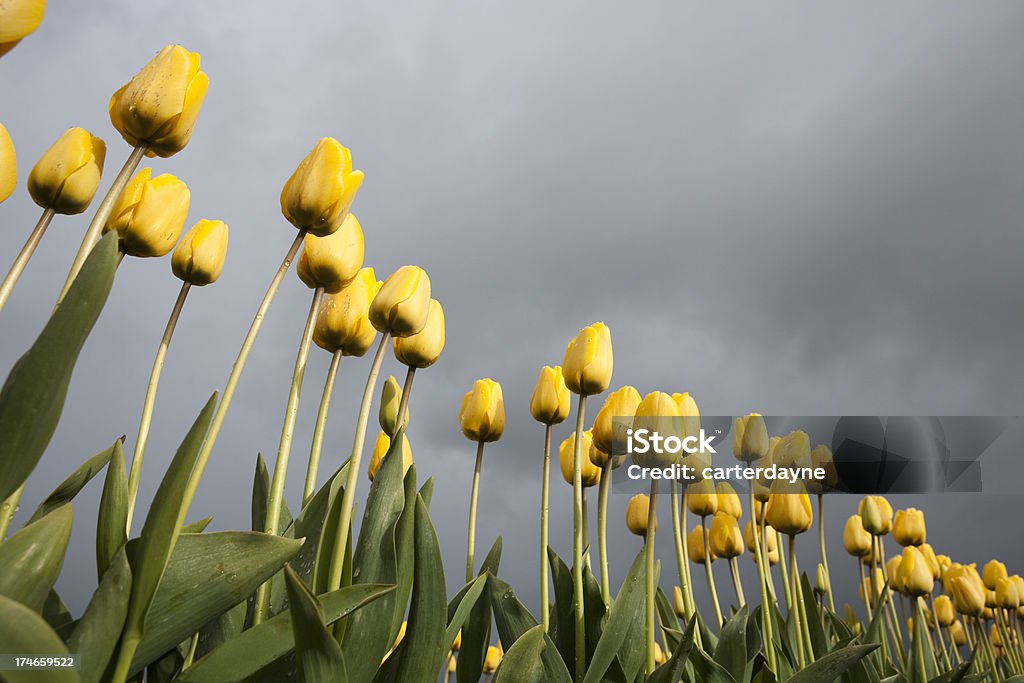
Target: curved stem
<point x="473" y="495"/>
<point x="403" y="404"/>
<point x="586" y="532"/>
<point x="649" y="588"/>
<point x="794" y="608"/>
<point x="922" y="675"/>
<point x="545" y="605"/>
<point x="272" y="524"/>
<point x="348" y="497"/>
<point x="677" y="537"/>
<point x="894" y="625"/>
<point x="737" y="584"/>
<point x="236" y="372"/>
<point x="147" y="406"/>
<point x="34" y="237"/>
<point x="801" y="603"/>
<point x="761" y="558"/>
<point x="686" y="563"/>
<point x="938" y="632"/>
<point x="577" y="557"/>
<point x="602" y="529"/>
<point x="321" y="427"/>
<point x="707" y="570"/>
<point x="824" y="554"/>
<point x="99" y="219"/>
<point x="868" y="589"/>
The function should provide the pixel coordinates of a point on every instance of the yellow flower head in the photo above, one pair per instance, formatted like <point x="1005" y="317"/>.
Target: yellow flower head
<point x="750" y="438"/>
<point x="319" y="194"/>
<point x="492" y="660"/>
<point x="482" y="416"/>
<point x="150" y="214"/>
<point x="695" y="546"/>
<point x="609" y="433"/>
<point x="856" y="541"/>
<point x="390" y="399"/>
<point x="66" y="177"/>
<point x="908" y="527"/>
<point x="588" y="360"/>
<point x="18" y="18"/>
<point x="657" y="412"/>
<point x="702" y="498"/>
<point x="402" y="305"/>
<point x="876" y="515"/>
<point x="8" y="164"/>
<point x="728" y="500"/>
<point x="332" y="261"/>
<point x="199" y="257"/>
<point x="342" y="323"/>
<point x="724" y="536"/>
<point x="789" y="509"/>
<point x="637" y="514"/>
<point x="915" y="577"/>
<point x="422" y="349"/>
<point x="590" y="473"/>
<point x="380" y="449"/>
<point x="549" y="403"/>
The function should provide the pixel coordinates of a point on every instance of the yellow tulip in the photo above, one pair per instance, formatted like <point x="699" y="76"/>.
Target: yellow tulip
<point x="342" y="323"/>
<point x="457" y="645"/>
<point x="550" y="401"/>
<point x="159" y="106"/>
<point x="422" y="349"/>
<point x="793" y="450"/>
<point x="401" y="634"/>
<point x="492" y="660"/>
<point x="678" y="606"/>
<point x="820" y="580"/>
<point x="702" y="498"/>
<point x="695" y="546"/>
<point x="380" y="449"/>
<point x="1018" y="583"/>
<point x="821" y="458"/>
<point x="150" y="214"/>
<point x="8" y="165"/>
<point x="332" y="261"/>
<point x="588" y="360"/>
<point x="914" y="574"/>
<point x="609" y="432"/>
<point x="66" y="177"/>
<point x="452" y="664"/>
<point x="968" y="596"/>
<point x="856" y="541"/>
<point x="992" y="572"/>
<point x="908" y="527"/>
<point x="750" y="438"/>
<point x="482" y="416"/>
<point x="659" y="654"/>
<point x="728" y="500"/>
<point x="724" y="536"/>
<point x="637" y="512"/>
<point x="958" y="634"/>
<point x="199" y="257"/>
<point x="402" y="305"/>
<point x="789" y="509"/>
<point x="876" y="515"/>
<point x="657" y="412"/>
<point x="18" y="18"/>
<point x="1006" y="594"/>
<point x="602" y="458"/>
<point x="770" y="535"/>
<point x="319" y="194"/>
<point x="944" y="611"/>
<point x="390" y="399"/>
<point x="590" y="472"/>
<point x="892" y="573"/>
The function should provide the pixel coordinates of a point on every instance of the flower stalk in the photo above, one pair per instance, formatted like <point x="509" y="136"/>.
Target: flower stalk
<point x="577" y="554"/>
<point x="473" y="496"/>
<point x="649" y="587"/>
<point x="317" y="444"/>
<point x="545" y="605"/>
<point x="34" y="237"/>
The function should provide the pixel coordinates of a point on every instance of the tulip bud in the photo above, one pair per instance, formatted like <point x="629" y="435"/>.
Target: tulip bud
<point x="820" y="580"/>
<point x="492" y="660"/>
<point x="149" y="214"/>
<point x="609" y="433"/>
<point x="402" y="305"/>
<point x="724" y="536"/>
<point x="958" y="634"/>
<point x="678" y="605"/>
<point x="770" y="535"/>
<point x="590" y="473"/>
<point x="789" y="509"/>
<point x="318" y="195"/>
<point x="637" y="513"/>
<point x="1006" y="594"/>
<point x="992" y="572"/>
<point x="695" y="546"/>
<point x="968" y="596"/>
<point x="793" y="450"/>
<point x="908" y="527"/>
<point x="422" y="349"/>
<point x="8" y="161"/>
<point x="67" y="175"/>
<point x="915" y="577"/>
<point x="689" y="425"/>
<point x="1018" y="583"/>
<point x="876" y="515"/>
<point x="333" y="260"/>
<point x="588" y="360"/>
<point x="601" y="458"/>
<point x="821" y="458"/>
<point x="199" y="257"/>
<point x="550" y="401"/>
<point x="390" y="399"/>
<point x="750" y="438"/>
<point x="18" y="18"/>
<point x="930" y="560"/>
<point x="944" y="611"/>
<point x="342" y="323"/>
<point x="728" y="501"/>
<point x="452" y="664"/>
<point x="380" y="449"/>
<point x="659" y="654"/>
<point x="657" y="412"/>
<point x="159" y="106"/>
<point x="856" y="541"/>
<point x="702" y="498"/>
<point x="457" y="645"/>
<point x="482" y="416"/>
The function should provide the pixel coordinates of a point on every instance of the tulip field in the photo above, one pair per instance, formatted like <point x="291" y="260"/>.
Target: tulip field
<point x="348" y="583"/>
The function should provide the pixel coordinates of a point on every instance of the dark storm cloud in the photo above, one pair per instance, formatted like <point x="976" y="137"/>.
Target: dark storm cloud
<point x="797" y="208"/>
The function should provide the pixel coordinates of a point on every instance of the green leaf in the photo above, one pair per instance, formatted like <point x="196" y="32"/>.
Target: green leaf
<point x="266" y="643"/>
<point x="819" y="641"/>
<point x="24" y="632"/>
<point x="405" y="554"/>
<point x="427" y="491"/>
<point x="198" y="526"/>
<point x="318" y="654"/>
<point x="731" y="652"/>
<point x="31" y="559"/>
<point x="832" y="665"/>
<point x="322" y="516"/>
<point x="99" y="629"/>
<point x="162" y="526"/>
<point x="563" y="626"/>
<point x="207" y="575"/>
<point x="672" y="670"/>
<point x="627" y="608"/>
<point x="514" y="621"/>
<point x="76" y="481"/>
<point x="522" y="663"/>
<point x="476" y="635"/>
<point x="221" y="630"/>
<point x="460" y="607"/>
<point x="260" y="494"/>
<point x="32" y="398"/>
<point x="959" y="672"/>
<point x="111" y="527"/>
<point x="56" y="613"/>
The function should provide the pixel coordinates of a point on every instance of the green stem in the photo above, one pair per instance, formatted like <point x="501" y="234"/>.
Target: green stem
<point x="125" y="655"/>
<point x="320" y="429"/>
<point x="868" y="589"/>
<point x="403" y="405"/>
<point x="922" y="675"/>
<point x="586" y="532"/>
<point x="474" y="494"/>
<point x="348" y="497"/>
<point x="677" y="537"/>
<point x="602" y="528"/>
<point x="147" y="406"/>
<point x="824" y="554"/>
<point x="649" y="575"/>
<point x="801" y="603"/>
<point x="952" y="644"/>
<point x="34" y="237"/>
<point x="272" y="524"/>
<point x="938" y="632"/>
<point x="545" y="605"/>
<point x="686" y="562"/>
<point x="787" y="586"/>
<point x="190" y="657"/>
<point x="707" y="570"/>
<point x="794" y="608"/>
<point x="236" y="372"/>
<point x="735" y="571"/>
<point x="766" y="616"/>
<point x="577" y="526"/>
<point x="102" y="214"/>
<point x="7" y="510"/>
<point x="897" y="633"/>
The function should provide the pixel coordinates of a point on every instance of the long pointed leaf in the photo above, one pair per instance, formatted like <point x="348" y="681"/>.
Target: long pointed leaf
<point x="625" y="611"/>
<point x="318" y="654"/>
<point x="76" y="481"/>
<point x="97" y="633"/>
<point x="31" y="559"/>
<point x="24" y="632"/>
<point x="111" y="527"/>
<point x="832" y="665"/>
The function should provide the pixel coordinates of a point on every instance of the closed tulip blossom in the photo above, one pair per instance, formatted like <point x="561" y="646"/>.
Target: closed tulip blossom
<point x="609" y="433"/>
<point x="8" y="165"/>
<point x="390" y="399"/>
<point x="482" y="419"/>
<point x="695" y="546"/>
<point x="591" y="473"/>
<point x="856" y="540"/>
<point x="992" y="572"/>
<point x="342" y="323"/>
<point x="318" y="195"/>
<point x="332" y="261"/>
<point x="908" y="527"/>
<point x="944" y="613"/>
<point x="65" y="178"/>
<point x="876" y="515"/>
<point x="702" y="498"/>
<point x="492" y="660"/>
<point x="915" y="578"/>
<point x="150" y="214"/>
<point x="19" y="18"/>
<point x="588" y="360"/>
<point x="750" y="438"/>
<point x="968" y="596"/>
<point x="728" y="501"/>
<point x="422" y="349"/>
<point x="402" y="305"/>
<point x="199" y="257"/>
<point x="637" y="514"/>
<point x="380" y="449"/>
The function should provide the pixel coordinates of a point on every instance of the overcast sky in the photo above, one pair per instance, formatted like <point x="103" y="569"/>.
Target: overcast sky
<point x="794" y="208"/>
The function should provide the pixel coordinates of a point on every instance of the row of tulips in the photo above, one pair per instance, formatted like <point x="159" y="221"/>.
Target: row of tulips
<point x="314" y="595"/>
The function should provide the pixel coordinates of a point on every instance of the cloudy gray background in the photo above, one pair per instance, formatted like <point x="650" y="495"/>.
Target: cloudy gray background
<point x="791" y="208"/>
